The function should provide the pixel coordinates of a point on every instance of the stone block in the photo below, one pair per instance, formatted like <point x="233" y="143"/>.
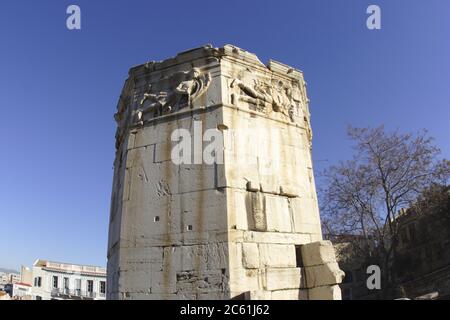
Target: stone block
<point x="235" y="255"/>
<point x="258" y="219"/>
<point x="296" y="294"/>
<point x="196" y="177"/>
<point x="240" y="203"/>
<point x="276" y="237"/>
<point x="283" y="278"/>
<point x="305" y="215"/>
<point x="250" y="255"/>
<point x="317" y="253"/>
<point x="322" y="275"/>
<point x="277" y="255"/>
<point x="200" y="281"/>
<point x="244" y="280"/>
<point x="325" y="293"/>
<point x="142" y="258"/>
<point x="261" y="295"/>
<point x="196" y="257"/>
<point x="136" y="280"/>
<point x="277" y="213"/>
<point x="163" y="282"/>
<point x="316" y="237"/>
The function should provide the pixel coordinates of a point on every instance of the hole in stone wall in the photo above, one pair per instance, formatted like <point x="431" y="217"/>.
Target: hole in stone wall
<point x="156" y="219"/>
<point x="189" y="228"/>
<point x="222" y="127"/>
<point x="298" y="256"/>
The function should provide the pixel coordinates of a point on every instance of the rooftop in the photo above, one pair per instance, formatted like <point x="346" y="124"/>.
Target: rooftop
<point x="69" y="267"/>
<point x="208" y="51"/>
<point x="22" y="284"/>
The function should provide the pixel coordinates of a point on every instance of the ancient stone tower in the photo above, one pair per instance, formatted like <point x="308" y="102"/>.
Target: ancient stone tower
<point x="213" y="194"/>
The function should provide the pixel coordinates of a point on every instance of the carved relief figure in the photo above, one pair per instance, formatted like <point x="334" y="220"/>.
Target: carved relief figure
<point x="182" y="90"/>
<point x="158" y="104"/>
<point x="282" y="99"/>
<point x="193" y="86"/>
<point x="258" y="94"/>
<point x="277" y="96"/>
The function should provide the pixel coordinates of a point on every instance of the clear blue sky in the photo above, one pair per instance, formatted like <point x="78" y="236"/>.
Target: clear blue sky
<point x="59" y="90"/>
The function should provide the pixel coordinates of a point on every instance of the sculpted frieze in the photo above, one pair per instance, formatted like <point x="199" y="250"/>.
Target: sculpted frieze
<point x="268" y="96"/>
<point x="181" y="90"/>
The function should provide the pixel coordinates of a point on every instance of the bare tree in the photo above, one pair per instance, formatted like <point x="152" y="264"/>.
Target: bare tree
<point x="361" y="197"/>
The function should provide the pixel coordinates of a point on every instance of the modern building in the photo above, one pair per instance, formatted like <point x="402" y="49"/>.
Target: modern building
<point x="22" y="291"/>
<point x="421" y="267"/>
<point x="3" y="278"/>
<point x="62" y="281"/>
<point x="354" y="263"/>
<point x="6" y="278"/>
<point x="423" y="254"/>
<point x="26" y="275"/>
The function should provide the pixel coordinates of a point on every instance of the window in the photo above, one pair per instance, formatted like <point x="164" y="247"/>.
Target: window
<point x="78" y="284"/>
<point x="90" y="286"/>
<point x="66" y="283"/>
<point x="37" y="281"/>
<point x="55" y="282"/>
<point x="78" y="287"/>
<point x="38" y="298"/>
<point x="102" y="287"/>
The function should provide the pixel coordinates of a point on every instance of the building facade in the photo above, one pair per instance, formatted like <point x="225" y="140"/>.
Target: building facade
<point x="22" y="291"/>
<point x="26" y="275"/>
<point x="61" y="281"/>
<point x="4" y="278"/>
<point x="237" y="218"/>
<point x="422" y="257"/>
<point x="9" y="278"/>
<point x="420" y="264"/>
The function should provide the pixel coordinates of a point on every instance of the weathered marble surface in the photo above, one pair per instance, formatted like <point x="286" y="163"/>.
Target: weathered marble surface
<point x="248" y="226"/>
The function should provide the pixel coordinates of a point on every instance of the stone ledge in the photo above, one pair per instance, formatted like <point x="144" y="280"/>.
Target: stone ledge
<point x="325" y="293"/>
<point x="326" y="274"/>
<point x="284" y="278"/>
<point x="317" y="253"/>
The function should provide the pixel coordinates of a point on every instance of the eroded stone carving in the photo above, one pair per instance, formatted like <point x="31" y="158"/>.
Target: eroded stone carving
<point x="184" y="88"/>
<point x="120" y="117"/>
<point x="277" y="96"/>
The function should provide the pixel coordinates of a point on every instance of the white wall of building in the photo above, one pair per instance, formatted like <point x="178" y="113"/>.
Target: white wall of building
<point x="72" y="281"/>
<point x="21" y="290"/>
